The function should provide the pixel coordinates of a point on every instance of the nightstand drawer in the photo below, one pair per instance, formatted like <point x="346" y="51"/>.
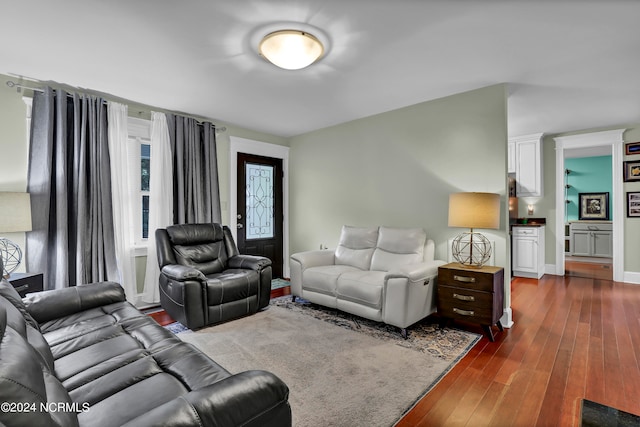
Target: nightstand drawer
<point x="26" y="283"/>
<point x="467" y="278"/>
<point x="466" y="304"/>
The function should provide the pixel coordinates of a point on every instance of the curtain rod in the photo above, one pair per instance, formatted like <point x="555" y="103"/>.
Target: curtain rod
<point x="19" y="87"/>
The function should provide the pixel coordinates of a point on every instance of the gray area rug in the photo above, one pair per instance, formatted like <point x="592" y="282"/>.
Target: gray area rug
<point x="336" y="376"/>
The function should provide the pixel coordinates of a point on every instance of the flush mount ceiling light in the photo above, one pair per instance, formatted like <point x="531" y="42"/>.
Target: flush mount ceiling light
<point x="291" y="49"/>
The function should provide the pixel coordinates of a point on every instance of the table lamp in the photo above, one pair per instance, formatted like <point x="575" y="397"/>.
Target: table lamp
<point x="473" y="210"/>
<point x="15" y="217"/>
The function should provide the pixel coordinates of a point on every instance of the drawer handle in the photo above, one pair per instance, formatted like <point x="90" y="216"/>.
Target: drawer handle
<point x="464" y="297"/>
<point x="464" y="279"/>
<point x="22" y="288"/>
<point x="463" y="312"/>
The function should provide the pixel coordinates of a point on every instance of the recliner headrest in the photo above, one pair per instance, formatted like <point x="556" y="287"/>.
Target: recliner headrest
<point x="194" y="234"/>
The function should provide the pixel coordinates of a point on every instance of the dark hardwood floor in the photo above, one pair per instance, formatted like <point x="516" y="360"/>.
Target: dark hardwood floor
<point x="573" y="338"/>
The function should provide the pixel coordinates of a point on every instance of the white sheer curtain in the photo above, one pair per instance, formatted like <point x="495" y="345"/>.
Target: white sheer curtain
<point x="122" y="203"/>
<point x="160" y="199"/>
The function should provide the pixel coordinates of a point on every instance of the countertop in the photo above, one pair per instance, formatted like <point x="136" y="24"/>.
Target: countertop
<point x="529" y="222"/>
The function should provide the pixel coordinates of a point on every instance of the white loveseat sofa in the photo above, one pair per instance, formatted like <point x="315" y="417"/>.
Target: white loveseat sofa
<point x="380" y="273"/>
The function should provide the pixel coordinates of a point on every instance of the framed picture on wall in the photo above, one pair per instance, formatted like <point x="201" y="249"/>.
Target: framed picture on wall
<point x="593" y="206"/>
<point x="631" y="148"/>
<point x="633" y="204"/>
<point x="632" y="170"/>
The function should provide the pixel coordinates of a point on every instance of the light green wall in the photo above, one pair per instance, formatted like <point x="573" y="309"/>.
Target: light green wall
<point x="545" y="206"/>
<point x="398" y="169"/>
<point x="13" y="137"/>
<point x="631" y="225"/>
<point x="13" y="149"/>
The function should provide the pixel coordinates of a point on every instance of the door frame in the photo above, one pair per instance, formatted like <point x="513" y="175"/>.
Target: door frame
<point x="613" y="139"/>
<point x="249" y="146"/>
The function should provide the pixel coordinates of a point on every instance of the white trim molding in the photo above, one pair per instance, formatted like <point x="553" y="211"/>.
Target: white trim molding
<point x="249" y="146"/>
<point x="614" y="139"/>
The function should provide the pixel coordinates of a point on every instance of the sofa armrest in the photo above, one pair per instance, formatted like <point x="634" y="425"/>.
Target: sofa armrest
<point x="415" y="272"/>
<point x="251" y="398"/>
<point x="181" y="273"/>
<point x="314" y="258"/>
<point x="249" y="262"/>
<point x="302" y="260"/>
<point x="49" y="305"/>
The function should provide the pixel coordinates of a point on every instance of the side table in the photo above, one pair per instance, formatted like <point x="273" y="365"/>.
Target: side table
<point x="26" y="282"/>
<point x="471" y="294"/>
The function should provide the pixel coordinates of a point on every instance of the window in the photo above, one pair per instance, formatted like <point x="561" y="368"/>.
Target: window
<point x="145" y="163"/>
<point x="140" y="175"/>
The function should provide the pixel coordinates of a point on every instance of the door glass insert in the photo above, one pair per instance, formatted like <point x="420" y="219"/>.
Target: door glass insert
<point x="260" y="203"/>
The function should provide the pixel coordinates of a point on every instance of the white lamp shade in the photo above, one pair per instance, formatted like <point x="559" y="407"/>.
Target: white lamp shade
<point x="474" y="210"/>
<point x="291" y="49"/>
<point x="15" y="212"/>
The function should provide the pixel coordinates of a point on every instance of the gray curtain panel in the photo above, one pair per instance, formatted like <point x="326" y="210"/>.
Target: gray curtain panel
<point x="196" y="194"/>
<point x="72" y="241"/>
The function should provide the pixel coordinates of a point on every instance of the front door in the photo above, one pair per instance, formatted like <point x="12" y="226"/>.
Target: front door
<point x="260" y="212"/>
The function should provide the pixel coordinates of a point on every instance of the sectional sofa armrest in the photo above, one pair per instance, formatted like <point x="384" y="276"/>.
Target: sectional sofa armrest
<point x="49" y="305"/>
<point x="314" y="258"/>
<point x="249" y="262"/>
<point x="182" y="273"/>
<point x="251" y="398"/>
<point x="419" y="272"/>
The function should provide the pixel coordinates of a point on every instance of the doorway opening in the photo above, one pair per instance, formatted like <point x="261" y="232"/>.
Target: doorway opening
<point x="585" y="244"/>
<point x="588" y="225"/>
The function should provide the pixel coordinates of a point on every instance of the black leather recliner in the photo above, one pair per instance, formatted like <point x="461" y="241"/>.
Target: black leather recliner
<point x="203" y="278"/>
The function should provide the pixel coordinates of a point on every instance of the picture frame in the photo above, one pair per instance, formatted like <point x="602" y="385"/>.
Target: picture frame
<point x="632" y="170"/>
<point x="631" y="148"/>
<point x="633" y="204"/>
<point x="593" y="206"/>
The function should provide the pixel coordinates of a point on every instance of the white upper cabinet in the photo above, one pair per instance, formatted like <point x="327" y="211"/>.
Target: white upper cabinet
<point x="511" y="157"/>
<point x="527" y="159"/>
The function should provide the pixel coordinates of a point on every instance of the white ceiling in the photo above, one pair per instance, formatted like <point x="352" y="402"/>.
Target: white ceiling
<point x="570" y="64"/>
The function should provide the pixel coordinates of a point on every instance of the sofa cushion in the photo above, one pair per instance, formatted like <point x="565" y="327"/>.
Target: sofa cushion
<point x="26" y="381"/>
<point x="324" y="279"/>
<point x="398" y="246"/>
<point x="231" y="285"/>
<point x="8" y="292"/>
<point x="362" y="287"/>
<point x="356" y="246"/>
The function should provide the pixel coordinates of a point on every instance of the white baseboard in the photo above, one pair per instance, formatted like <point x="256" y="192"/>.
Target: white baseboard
<point x="631" y="277"/>
<point x="507" y="318"/>
<point x="550" y="269"/>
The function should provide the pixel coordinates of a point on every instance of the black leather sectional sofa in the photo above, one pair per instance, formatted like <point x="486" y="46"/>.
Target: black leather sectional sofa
<point x="83" y="356"/>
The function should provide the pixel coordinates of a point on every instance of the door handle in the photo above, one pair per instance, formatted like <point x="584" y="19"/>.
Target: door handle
<point x="240" y="225"/>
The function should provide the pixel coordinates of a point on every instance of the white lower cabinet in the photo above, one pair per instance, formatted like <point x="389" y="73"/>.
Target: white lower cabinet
<point x="593" y="240"/>
<point x="527" y="251"/>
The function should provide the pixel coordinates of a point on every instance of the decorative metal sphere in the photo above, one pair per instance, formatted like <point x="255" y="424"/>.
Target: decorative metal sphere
<point x="471" y="249"/>
<point x="11" y="255"/>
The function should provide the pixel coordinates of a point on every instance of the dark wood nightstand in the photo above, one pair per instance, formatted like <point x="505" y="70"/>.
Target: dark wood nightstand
<point x="471" y="294"/>
<point x="26" y="283"/>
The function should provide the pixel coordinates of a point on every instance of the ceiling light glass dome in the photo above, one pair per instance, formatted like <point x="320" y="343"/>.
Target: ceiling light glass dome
<point x="291" y="49"/>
